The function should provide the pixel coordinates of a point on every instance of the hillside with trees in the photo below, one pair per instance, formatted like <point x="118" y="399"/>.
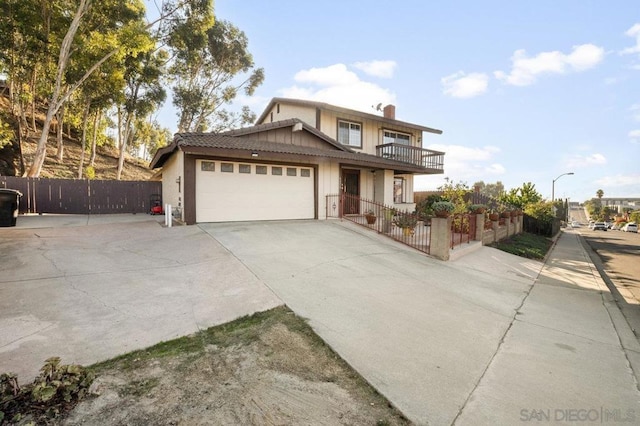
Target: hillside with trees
<point x="83" y="80"/>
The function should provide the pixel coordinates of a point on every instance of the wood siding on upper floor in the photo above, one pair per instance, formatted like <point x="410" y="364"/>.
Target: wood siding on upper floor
<point x="286" y="136"/>
<point x="372" y="131"/>
<point x="286" y="112"/>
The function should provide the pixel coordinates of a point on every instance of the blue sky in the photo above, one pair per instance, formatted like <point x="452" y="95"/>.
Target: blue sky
<point x="523" y="91"/>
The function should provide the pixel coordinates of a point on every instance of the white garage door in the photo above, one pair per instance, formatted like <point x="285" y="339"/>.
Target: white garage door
<point x="230" y="191"/>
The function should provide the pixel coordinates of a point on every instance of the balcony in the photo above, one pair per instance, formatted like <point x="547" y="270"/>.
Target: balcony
<point x="421" y="157"/>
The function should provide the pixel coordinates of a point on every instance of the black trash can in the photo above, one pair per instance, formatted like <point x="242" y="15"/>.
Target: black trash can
<point x="9" y="206"/>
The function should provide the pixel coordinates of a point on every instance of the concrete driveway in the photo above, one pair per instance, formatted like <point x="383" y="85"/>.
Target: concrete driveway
<point x="488" y="339"/>
<point x="422" y="331"/>
<point x="88" y="292"/>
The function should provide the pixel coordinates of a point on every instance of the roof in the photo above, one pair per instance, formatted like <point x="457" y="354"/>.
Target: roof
<point x="329" y="107"/>
<point x="214" y="144"/>
<point x="286" y="123"/>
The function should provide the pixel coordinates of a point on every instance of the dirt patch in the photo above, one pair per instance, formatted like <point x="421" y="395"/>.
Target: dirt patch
<point x="267" y="369"/>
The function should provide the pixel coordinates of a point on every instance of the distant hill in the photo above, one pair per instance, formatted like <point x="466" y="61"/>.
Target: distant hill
<point x="105" y="165"/>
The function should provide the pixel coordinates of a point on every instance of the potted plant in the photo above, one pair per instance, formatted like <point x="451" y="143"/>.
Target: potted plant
<point x="407" y="222"/>
<point x="493" y="216"/>
<point x="388" y="219"/>
<point x="505" y="214"/>
<point x="370" y="216"/>
<point x="443" y="208"/>
<point x="477" y="208"/>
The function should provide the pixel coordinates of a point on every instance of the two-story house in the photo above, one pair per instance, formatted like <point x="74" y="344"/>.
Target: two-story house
<point x="298" y="153"/>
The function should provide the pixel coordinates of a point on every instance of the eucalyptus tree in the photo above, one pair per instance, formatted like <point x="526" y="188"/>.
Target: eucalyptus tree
<point x="28" y="36"/>
<point x="210" y="68"/>
<point x="144" y="92"/>
<point x="103" y="29"/>
<point x="149" y="136"/>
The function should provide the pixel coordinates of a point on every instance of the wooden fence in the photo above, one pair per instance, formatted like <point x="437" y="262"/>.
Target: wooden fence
<point x="82" y="196"/>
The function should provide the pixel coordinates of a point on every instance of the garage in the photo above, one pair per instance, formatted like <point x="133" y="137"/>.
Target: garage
<point x="229" y="191"/>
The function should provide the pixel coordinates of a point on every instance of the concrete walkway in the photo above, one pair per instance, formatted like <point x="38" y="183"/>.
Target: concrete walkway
<point x="488" y="339"/>
<point x="568" y="355"/>
<point x="88" y="288"/>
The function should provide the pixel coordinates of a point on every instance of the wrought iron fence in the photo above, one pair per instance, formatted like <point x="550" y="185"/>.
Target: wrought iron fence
<point x="463" y="229"/>
<point x="405" y="227"/>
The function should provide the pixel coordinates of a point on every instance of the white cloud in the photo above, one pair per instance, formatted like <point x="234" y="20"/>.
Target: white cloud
<point x="632" y="32"/>
<point x="634" y="136"/>
<point x="337" y="85"/>
<point x="581" y="161"/>
<point x="467" y="163"/>
<point x="382" y="69"/>
<point x="619" y="180"/>
<point x="461" y="85"/>
<point x="332" y="75"/>
<point x="495" y="169"/>
<point x="525" y="69"/>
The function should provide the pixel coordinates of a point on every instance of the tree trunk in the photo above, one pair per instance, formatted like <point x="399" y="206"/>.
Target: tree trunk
<point x="59" y="134"/>
<point x="126" y="133"/>
<point x="83" y="144"/>
<point x="57" y="99"/>
<point x="33" y="99"/>
<point x="41" y="150"/>
<point x="19" y="138"/>
<point x="96" y="122"/>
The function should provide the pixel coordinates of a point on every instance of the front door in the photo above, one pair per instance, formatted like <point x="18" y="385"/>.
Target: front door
<point x="351" y="187"/>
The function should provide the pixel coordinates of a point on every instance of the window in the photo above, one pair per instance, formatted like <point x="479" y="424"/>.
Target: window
<point x="305" y="172"/>
<point x="350" y="133"/>
<point x="261" y="170"/>
<point x="244" y="168"/>
<point x="208" y="166"/>
<point x="226" y="167"/>
<point x="398" y="190"/>
<point x="292" y="171"/>
<point x="276" y="171"/>
<point x="395" y="137"/>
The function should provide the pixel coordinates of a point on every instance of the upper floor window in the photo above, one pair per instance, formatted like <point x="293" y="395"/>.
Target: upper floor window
<point x="395" y="137"/>
<point x="350" y="133"/>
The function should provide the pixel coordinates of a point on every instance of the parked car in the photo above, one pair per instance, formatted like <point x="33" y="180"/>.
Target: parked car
<point x="575" y="224"/>
<point x="615" y="227"/>
<point x="630" y="227"/>
<point x="591" y="223"/>
<point x="599" y="226"/>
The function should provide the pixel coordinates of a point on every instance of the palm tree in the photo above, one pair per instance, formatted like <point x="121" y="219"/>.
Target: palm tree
<point x="599" y="194"/>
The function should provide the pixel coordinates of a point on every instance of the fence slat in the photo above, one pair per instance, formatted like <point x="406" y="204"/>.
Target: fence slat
<point x="82" y="196"/>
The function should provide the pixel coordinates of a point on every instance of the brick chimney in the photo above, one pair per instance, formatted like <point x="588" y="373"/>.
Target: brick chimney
<point x="389" y="112"/>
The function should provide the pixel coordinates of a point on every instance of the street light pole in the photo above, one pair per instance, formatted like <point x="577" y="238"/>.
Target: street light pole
<point x="553" y="185"/>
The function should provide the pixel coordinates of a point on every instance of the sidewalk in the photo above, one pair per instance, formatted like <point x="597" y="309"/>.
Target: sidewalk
<point x="566" y="357"/>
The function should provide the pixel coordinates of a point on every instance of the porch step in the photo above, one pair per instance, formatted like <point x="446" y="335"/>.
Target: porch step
<point x="460" y="251"/>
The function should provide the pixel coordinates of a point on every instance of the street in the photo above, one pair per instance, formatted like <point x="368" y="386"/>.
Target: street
<point x="617" y="254"/>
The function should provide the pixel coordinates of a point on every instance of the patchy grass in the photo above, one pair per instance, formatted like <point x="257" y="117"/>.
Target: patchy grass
<point x="266" y="368"/>
<point x="526" y="245"/>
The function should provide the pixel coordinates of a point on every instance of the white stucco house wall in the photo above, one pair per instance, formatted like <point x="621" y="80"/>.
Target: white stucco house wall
<point x="297" y="153"/>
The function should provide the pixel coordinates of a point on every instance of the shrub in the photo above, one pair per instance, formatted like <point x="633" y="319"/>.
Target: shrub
<point x="440" y="206"/>
<point x="57" y="388"/>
